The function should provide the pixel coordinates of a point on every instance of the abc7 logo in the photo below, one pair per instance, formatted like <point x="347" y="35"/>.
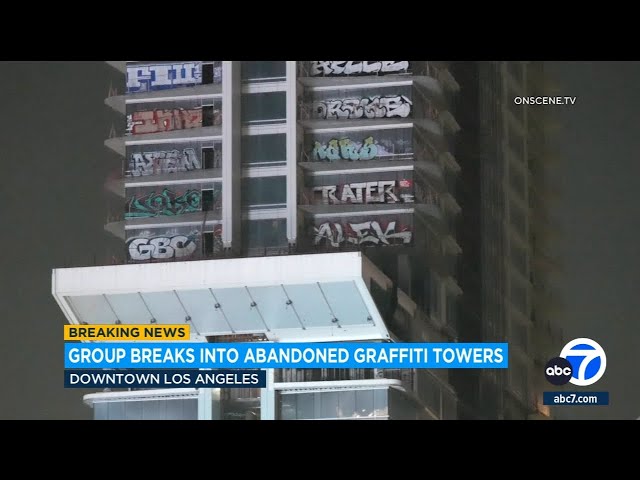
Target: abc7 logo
<point x="581" y="362"/>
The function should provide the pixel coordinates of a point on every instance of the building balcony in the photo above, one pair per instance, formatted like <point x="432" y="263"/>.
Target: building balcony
<point x="353" y="68"/>
<point x="118" y="144"/>
<point x="352" y="210"/>
<point x="429" y="133"/>
<point x="437" y="71"/>
<point x="302" y="298"/>
<point x="432" y="213"/>
<point x="374" y="399"/>
<point x="160" y="404"/>
<point x="119" y="102"/>
<point x="443" y="123"/>
<point x="118" y="226"/>
<point x="118" y="185"/>
<point x="321" y="125"/>
<point x="312" y="168"/>
<point x="378" y="399"/>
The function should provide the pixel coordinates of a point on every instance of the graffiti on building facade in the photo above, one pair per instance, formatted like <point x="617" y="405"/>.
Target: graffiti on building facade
<point x="364" y="233"/>
<point x="164" y="203"/>
<point x="163" y="120"/>
<point x="164" y="161"/>
<point x="383" y="191"/>
<point x="346" y="149"/>
<point x="331" y="68"/>
<point x="144" y="78"/>
<point x="162" y="248"/>
<point x="367" y="107"/>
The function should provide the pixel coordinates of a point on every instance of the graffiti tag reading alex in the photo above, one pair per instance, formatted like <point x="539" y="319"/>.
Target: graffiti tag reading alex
<point x="367" y="107"/>
<point x="365" y="192"/>
<point x="163" y="120"/>
<point x="164" y="203"/>
<point x="365" y="233"/>
<point x="330" y="68"/>
<point x="162" y="248"/>
<point x="143" y="78"/>
<point x="169" y="161"/>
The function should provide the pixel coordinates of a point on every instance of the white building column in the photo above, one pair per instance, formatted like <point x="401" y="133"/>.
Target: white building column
<point x="204" y="404"/>
<point x="292" y="154"/>
<point x="268" y="398"/>
<point x="231" y="157"/>
<point x="209" y="406"/>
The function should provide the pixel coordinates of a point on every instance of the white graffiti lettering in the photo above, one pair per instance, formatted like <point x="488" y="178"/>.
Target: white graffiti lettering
<point x="333" y="235"/>
<point x="383" y="191"/>
<point x="142" y="78"/>
<point x="368" y="107"/>
<point x="361" y="234"/>
<point x="330" y="68"/>
<point x="345" y="149"/>
<point x="168" y="161"/>
<point x="161" y="248"/>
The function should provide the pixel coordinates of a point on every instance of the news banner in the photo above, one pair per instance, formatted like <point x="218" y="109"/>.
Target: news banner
<point x="142" y="356"/>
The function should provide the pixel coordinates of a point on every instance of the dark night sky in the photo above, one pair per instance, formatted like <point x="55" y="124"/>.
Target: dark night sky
<point x="53" y="209"/>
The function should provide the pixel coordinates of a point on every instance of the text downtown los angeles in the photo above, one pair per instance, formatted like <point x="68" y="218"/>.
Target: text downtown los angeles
<point x="164" y="379"/>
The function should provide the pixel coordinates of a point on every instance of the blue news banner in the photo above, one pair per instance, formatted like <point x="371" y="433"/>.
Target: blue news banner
<point x="165" y="365"/>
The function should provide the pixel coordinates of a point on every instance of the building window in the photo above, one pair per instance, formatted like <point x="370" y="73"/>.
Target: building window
<point x="267" y="107"/>
<point x="211" y="73"/>
<point x="519" y="376"/>
<point x="211" y="116"/>
<point x="517" y="180"/>
<point x="432" y="289"/>
<point x="332" y="405"/>
<point x="264" y="149"/>
<point x="518" y="219"/>
<point x="207" y="243"/>
<point x="263" y="71"/>
<point x="211" y="157"/>
<point x="212" y="242"/>
<point x="264" y="192"/>
<point x="207" y="200"/>
<point x="517" y="110"/>
<point x="452" y="310"/>
<point x="179" y="409"/>
<point x="519" y="296"/>
<point x="516" y="143"/>
<point x="519" y="259"/>
<point x="261" y="234"/>
<point x="519" y="335"/>
<point x="382" y="298"/>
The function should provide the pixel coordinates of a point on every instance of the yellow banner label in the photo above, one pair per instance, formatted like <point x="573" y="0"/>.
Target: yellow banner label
<point x="126" y="332"/>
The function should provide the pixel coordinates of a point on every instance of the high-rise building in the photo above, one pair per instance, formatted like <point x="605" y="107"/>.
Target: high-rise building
<point x="284" y="201"/>
<point x="504" y="232"/>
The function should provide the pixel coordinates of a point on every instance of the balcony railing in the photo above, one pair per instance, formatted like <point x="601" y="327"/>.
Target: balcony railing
<point x="352" y="68"/>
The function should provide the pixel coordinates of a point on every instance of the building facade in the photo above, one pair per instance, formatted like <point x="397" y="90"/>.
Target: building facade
<point x="505" y="233"/>
<point x="283" y="201"/>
